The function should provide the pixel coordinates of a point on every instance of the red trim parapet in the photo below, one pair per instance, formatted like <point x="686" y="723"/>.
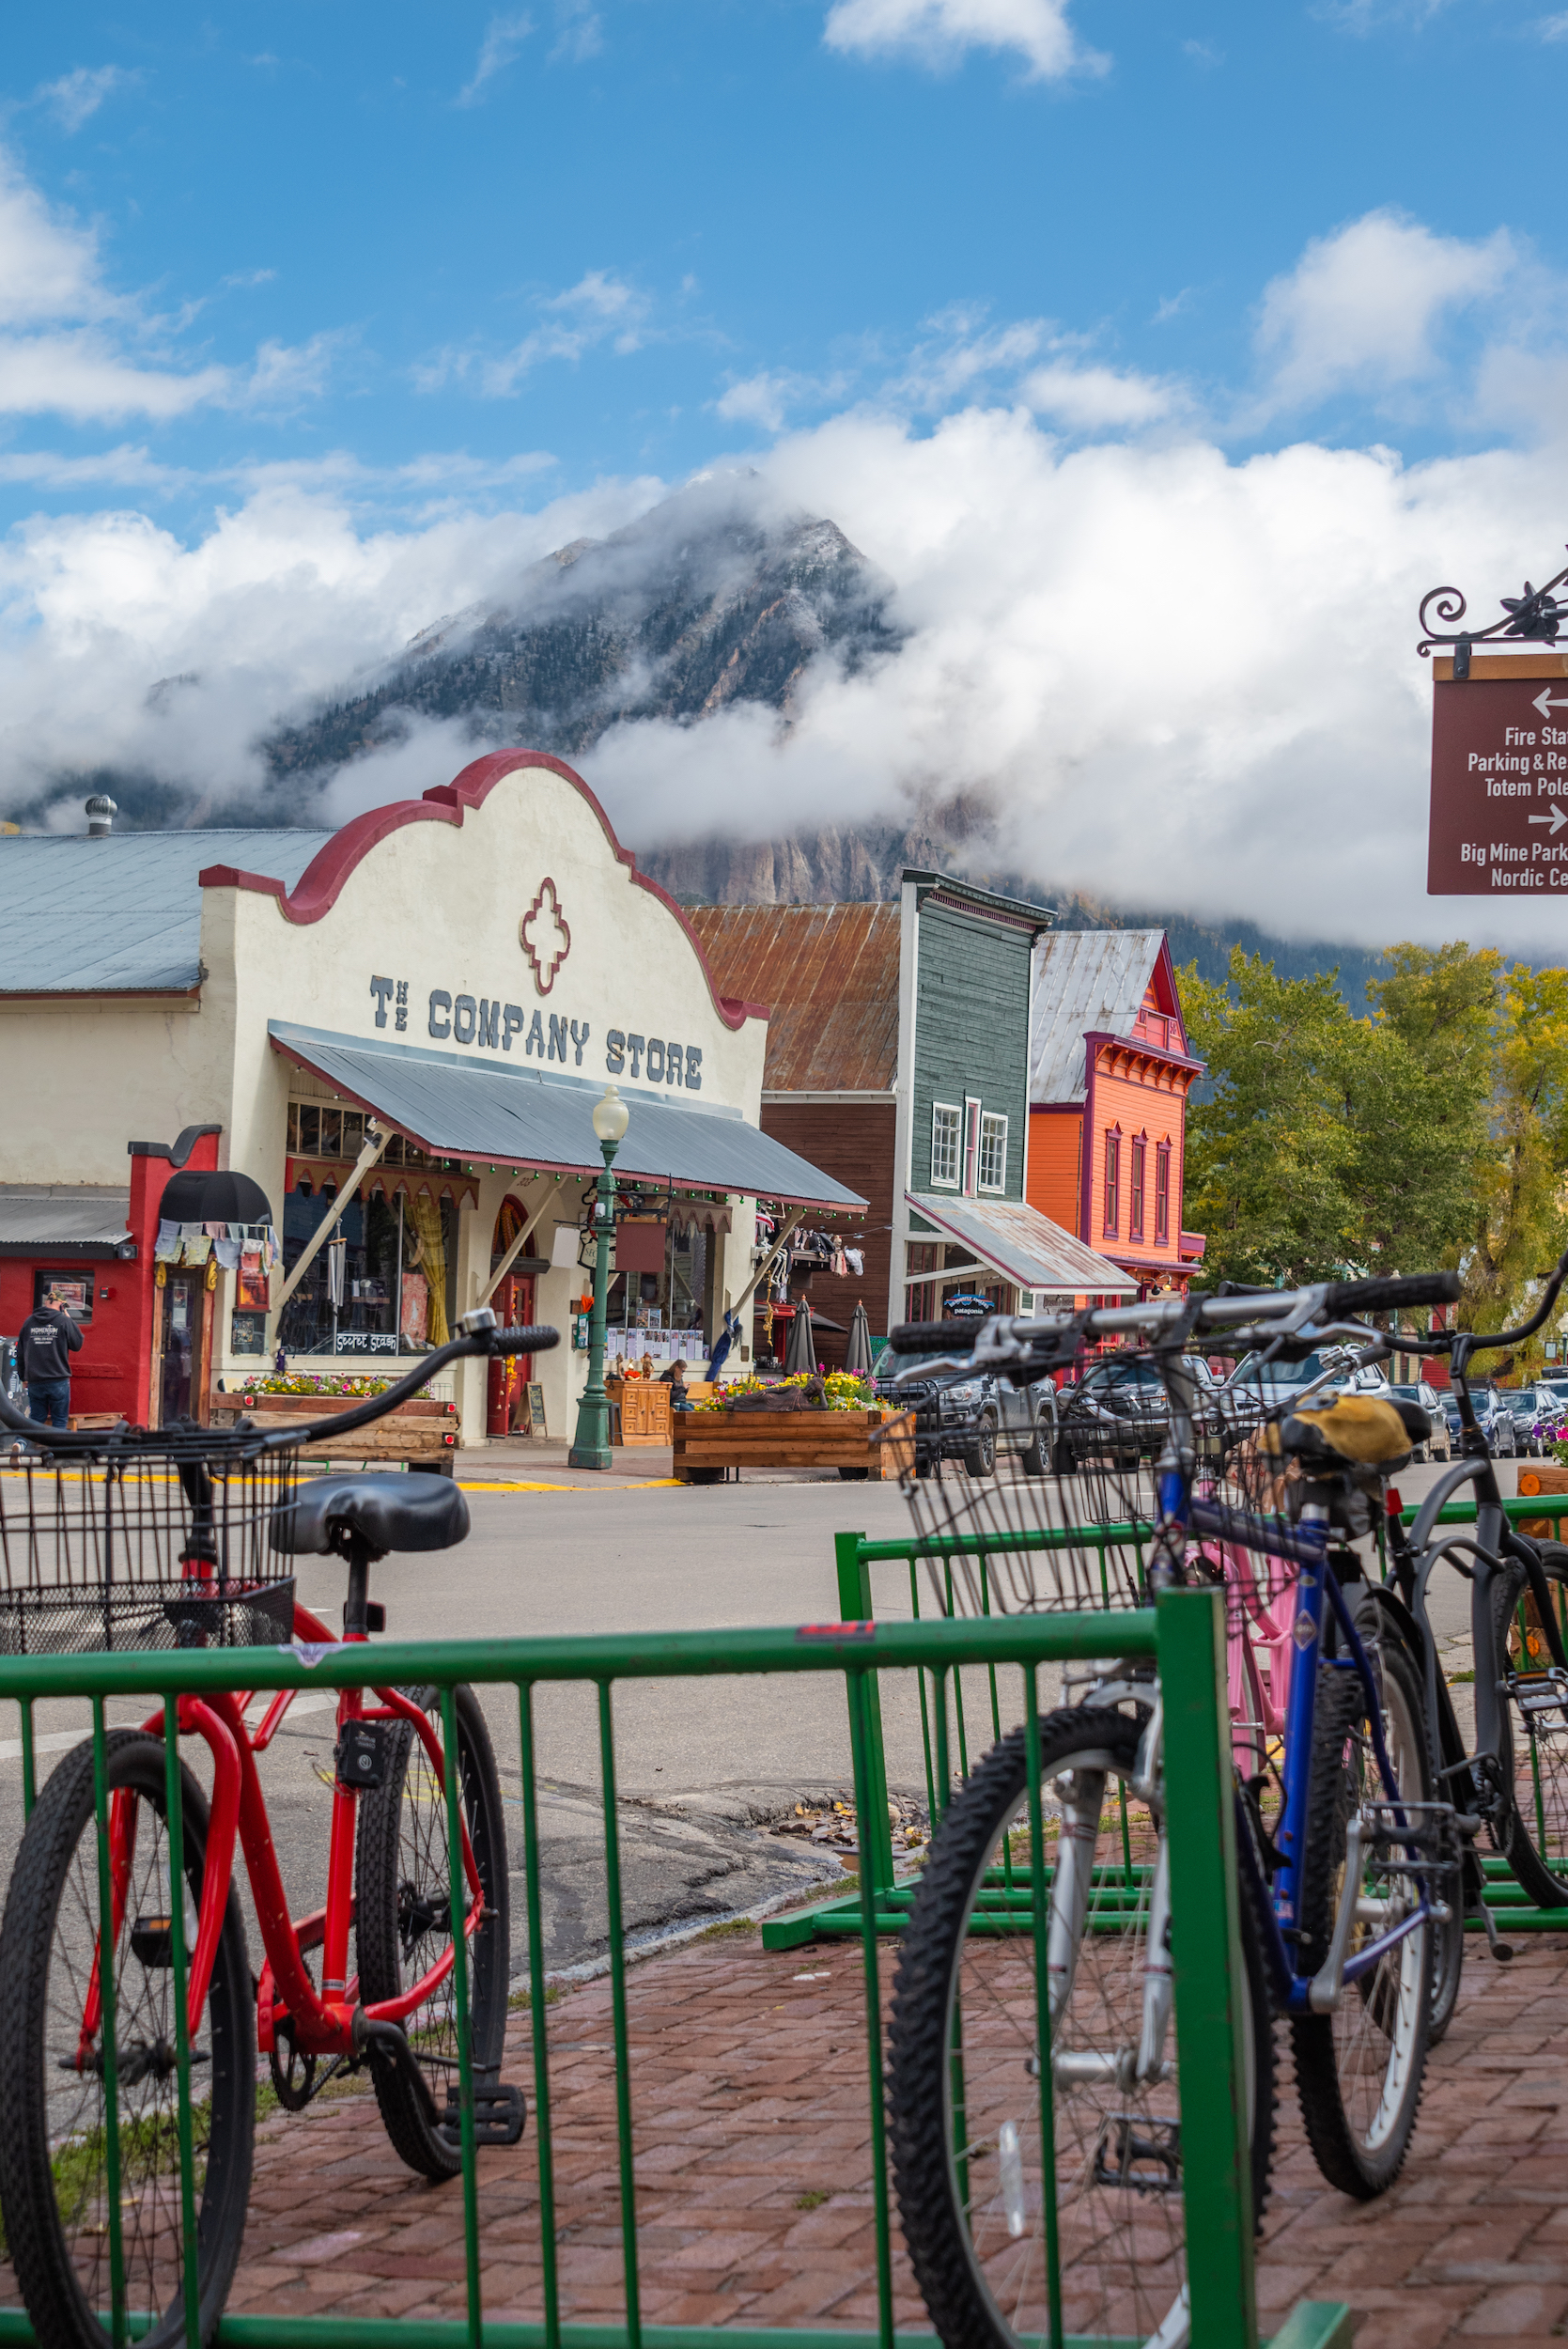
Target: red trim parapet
<point x="317" y="889"/>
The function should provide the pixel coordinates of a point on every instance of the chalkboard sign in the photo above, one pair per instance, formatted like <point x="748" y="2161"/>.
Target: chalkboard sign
<point x="537" y="1411"/>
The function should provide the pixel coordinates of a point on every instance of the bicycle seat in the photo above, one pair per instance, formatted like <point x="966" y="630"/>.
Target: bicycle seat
<point x="1356" y="1430"/>
<point x="383" y="1512"/>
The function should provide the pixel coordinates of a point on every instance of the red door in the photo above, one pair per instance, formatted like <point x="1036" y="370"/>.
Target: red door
<point x="509" y="1380"/>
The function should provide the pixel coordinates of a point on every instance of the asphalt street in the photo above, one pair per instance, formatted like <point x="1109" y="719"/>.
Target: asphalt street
<point x="701" y="1763"/>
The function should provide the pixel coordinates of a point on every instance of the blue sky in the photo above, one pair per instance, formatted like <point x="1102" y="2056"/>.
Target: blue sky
<point x="327" y="306"/>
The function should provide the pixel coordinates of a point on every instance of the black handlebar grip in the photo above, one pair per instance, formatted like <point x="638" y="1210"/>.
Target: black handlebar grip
<point x="1376" y="1297"/>
<point x="528" y="1340"/>
<point x="933" y="1337"/>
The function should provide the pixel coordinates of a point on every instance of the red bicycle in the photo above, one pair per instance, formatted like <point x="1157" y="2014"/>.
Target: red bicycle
<point x="184" y="1538"/>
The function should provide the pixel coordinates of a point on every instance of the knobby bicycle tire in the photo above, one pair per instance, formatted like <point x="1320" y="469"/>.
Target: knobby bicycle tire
<point x="961" y="2041"/>
<point x="53" y="2140"/>
<point x="1361" y="2072"/>
<point x="403" y="1913"/>
<point x="1535" y="1750"/>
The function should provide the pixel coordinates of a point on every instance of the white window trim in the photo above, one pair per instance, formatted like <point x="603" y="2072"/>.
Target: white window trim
<point x="997" y="1124"/>
<point x="954" y="1110"/>
<point x="972" y="1145"/>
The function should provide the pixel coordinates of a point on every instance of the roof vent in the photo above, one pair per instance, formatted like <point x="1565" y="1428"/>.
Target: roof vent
<point x="102" y="813"/>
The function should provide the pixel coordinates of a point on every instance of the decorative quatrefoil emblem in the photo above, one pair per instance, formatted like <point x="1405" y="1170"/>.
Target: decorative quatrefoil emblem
<point x="545" y="938"/>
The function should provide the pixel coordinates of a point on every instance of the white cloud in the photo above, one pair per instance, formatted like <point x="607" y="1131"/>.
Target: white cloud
<point x="600" y="308"/>
<point x="70" y="346"/>
<point x="77" y="96"/>
<point x="1363" y="308"/>
<point x="1552" y="27"/>
<point x="1101" y="399"/>
<point x="503" y="36"/>
<point x="938" y="33"/>
<point x="580" y="35"/>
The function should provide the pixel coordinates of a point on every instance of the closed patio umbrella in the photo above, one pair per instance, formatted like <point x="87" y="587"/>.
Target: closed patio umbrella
<point x="858" y="1358"/>
<point x="801" y="1353"/>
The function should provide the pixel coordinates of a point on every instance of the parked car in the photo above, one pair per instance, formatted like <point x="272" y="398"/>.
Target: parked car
<point x="1277" y="1383"/>
<point x="1120" y="1409"/>
<point x="976" y="1418"/>
<point x="1493" y="1417"/>
<point x="1440" y="1446"/>
<point x="1524" y="1408"/>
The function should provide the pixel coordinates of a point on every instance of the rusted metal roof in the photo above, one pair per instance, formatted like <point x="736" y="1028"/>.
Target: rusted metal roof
<point x="830" y="975"/>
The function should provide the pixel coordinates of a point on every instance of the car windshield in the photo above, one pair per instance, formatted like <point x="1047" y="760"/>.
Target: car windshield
<point x="1255" y="1371"/>
<point x="1409" y="1394"/>
<point x="1124" y="1375"/>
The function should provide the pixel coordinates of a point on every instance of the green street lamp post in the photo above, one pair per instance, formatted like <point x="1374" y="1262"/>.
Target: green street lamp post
<point x="592" y="1447"/>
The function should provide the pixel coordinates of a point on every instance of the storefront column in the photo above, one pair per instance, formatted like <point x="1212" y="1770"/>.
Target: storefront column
<point x="472" y="1378"/>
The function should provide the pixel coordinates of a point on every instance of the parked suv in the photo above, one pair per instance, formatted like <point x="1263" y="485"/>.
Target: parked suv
<point x="1441" y="1444"/>
<point x="978" y="1417"/>
<point x="1493" y="1417"/>
<point x="1120" y="1407"/>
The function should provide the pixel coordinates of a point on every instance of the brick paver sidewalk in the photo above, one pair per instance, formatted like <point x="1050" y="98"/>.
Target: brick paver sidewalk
<point x="754" y="2173"/>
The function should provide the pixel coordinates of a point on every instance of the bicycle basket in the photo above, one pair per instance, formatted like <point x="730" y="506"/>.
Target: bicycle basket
<point x="1077" y="1534"/>
<point x="144" y="1547"/>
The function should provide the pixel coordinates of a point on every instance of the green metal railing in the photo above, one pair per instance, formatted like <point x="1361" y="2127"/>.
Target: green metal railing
<point x="1186" y="1636"/>
<point x="945" y="1729"/>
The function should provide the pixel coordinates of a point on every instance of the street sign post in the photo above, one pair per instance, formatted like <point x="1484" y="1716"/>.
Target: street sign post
<point x="1500" y="777"/>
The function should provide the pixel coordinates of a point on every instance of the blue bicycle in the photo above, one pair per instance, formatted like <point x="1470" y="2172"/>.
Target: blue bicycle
<point x="1347" y="1860"/>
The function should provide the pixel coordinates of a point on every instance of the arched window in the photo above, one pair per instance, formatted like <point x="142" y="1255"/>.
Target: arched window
<point x="1112" y="1181"/>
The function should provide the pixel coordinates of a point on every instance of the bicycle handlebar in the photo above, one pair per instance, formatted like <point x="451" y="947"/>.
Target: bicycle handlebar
<point x="483" y="1338"/>
<point x="1387" y="1296"/>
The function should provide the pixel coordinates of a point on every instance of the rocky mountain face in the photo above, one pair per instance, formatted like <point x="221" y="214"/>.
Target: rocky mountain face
<point x="701" y="602"/>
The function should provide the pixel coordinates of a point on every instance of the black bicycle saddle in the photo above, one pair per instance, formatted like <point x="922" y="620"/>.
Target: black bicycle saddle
<point x="410" y="1512"/>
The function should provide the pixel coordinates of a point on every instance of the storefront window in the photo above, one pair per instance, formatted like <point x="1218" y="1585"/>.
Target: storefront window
<point x="364" y="1319"/>
<point x="69" y="1292"/>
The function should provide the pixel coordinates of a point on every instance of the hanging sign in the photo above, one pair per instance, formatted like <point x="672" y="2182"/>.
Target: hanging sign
<point x="1500" y="778"/>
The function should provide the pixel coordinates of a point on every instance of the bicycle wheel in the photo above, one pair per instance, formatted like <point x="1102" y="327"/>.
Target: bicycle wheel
<point x="1534" y="1743"/>
<point x="1359" y="2072"/>
<point x="963" y="2086"/>
<point x="403" y="1923"/>
<point x="54" y="2141"/>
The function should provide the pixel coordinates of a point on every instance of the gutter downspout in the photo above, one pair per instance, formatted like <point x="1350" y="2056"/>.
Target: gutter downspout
<point x="370" y="1152"/>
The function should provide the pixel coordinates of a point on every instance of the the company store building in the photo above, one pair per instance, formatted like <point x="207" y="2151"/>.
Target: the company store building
<point x="227" y="1052"/>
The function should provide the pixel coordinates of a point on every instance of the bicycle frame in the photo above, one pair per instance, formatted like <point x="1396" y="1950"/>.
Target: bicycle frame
<point x="1318" y="1598"/>
<point x="326" y="2022"/>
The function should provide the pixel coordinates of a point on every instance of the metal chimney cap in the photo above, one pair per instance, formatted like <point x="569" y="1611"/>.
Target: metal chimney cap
<point x="102" y="813"/>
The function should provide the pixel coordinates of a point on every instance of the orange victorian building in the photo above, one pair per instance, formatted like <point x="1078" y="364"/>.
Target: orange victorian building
<point x="1109" y="1073"/>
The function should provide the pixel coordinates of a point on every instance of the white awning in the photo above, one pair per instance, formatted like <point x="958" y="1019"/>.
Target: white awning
<point x="1021" y="1246"/>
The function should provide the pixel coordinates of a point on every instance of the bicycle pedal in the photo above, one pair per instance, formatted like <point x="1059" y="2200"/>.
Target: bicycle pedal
<point x="500" y="2114"/>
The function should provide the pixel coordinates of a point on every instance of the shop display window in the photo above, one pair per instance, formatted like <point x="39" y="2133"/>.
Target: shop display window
<point x="399" y="1276"/>
<point x="70" y="1291"/>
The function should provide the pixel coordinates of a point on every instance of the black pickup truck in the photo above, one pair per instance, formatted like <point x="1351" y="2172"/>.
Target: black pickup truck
<point x="979" y="1417"/>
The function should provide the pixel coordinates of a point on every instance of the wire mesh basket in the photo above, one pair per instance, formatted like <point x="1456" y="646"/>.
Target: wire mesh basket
<point x="144" y="1547"/>
<point x="1010" y="1532"/>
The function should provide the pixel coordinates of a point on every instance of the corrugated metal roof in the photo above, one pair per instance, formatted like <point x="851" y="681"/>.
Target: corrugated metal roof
<point x="460" y="1106"/>
<point x="62" y="1215"/>
<point x="1023" y="1246"/>
<point x="830" y="977"/>
<point x="80" y="916"/>
<point x="1084" y="981"/>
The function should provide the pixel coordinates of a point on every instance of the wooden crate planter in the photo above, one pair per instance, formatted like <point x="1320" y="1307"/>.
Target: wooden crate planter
<point x="646" y="1414"/>
<point x="706" y="1443"/>
<point x="1542" y="1476"/>
<point x="423" y="1432"/>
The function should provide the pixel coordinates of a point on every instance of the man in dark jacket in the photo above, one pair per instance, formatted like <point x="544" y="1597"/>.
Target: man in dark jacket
<point x="45" y="1344"/>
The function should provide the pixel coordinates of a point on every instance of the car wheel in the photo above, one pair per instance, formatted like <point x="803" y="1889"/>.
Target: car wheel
<point x="981" y="1457"/>
<point x="1038" y="1457"/>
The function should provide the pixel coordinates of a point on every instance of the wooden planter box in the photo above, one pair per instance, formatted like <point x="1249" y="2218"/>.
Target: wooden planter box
<point x="421" y="1432"/>
<point x="707" y="1442"/>
<point x="1540" y="1476"/>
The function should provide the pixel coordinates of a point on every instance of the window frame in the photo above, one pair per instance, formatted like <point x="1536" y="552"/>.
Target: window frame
<point x="1137" y="1177"/>
<point x="955" y="1111"/>
<point x="1162" y="1194"/>
<point x="1110" y="1205"/>
<point x="993" y="1127"/>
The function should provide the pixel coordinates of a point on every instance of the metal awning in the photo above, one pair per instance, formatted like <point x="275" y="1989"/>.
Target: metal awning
<point x="68" y="1219"/>
<point x="1020" y="1245"/>
<point x="465" y="1105"/>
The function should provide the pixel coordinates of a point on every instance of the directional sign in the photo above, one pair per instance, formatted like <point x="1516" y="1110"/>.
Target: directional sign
<point x="1500" y="778"/>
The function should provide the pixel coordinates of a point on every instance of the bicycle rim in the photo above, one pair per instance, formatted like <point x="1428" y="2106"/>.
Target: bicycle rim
<point x="966" y="2122"/>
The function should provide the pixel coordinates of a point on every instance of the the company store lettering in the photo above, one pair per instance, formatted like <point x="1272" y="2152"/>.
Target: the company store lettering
<point x="493" y="1026"/>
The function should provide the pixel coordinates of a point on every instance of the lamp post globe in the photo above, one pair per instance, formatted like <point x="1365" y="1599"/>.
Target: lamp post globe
<point x="591" y="1448"/>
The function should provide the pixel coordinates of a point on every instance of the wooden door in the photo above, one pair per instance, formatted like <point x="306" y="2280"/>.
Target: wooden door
<point x="181" y="1351"/>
